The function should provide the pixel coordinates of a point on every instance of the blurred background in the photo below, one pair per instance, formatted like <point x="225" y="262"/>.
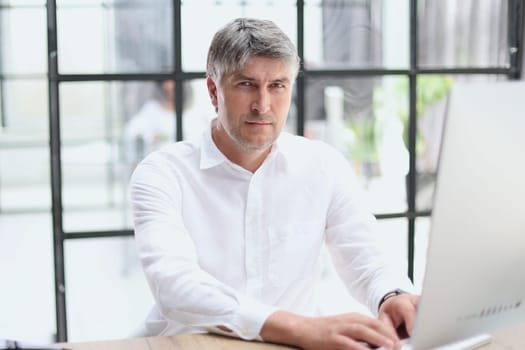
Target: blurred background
<point x="89" y="87"/>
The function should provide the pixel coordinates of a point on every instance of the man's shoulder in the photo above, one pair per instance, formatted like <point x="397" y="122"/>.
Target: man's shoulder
<point x="172" y="153"/>
<point x="167" y="165"/>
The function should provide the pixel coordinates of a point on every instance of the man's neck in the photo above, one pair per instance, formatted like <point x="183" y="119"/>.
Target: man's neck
<point x="167" y="105"/>
<point x="248" y="159"/>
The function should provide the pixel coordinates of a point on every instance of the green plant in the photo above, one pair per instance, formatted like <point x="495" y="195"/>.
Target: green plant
<point x="367" y="132"/>
<point x="430" y="89"/>
<point x="364" y="148"/>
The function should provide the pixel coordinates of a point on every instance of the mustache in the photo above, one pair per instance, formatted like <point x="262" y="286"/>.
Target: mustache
<point x="257" y="118"/>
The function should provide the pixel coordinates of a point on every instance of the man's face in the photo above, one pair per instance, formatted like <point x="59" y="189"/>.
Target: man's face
<point x="252" y="103"/>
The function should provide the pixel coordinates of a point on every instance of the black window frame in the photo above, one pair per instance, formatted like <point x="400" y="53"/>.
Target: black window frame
<point x="516" y="15"/>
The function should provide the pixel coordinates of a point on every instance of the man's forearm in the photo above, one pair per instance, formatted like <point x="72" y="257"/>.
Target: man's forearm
<point x="284" y="328"/>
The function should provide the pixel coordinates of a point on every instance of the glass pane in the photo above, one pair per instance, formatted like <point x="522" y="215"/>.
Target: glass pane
<point x="117" y="37"/>
<point x="356" y="34"/>
<point x="2" y="114"/>
<point x="24" y="140"/>
<point x="463" y="33"/>
<point x="393" y="238"/>
<point x="197" y="35"/>
<point x="27" y="301"/>
<point x="333" y="295"/>
<point x="97" y="157"/>
<point x="21" y="116"/>
<point x="420" y="254"/>
<point x="22" y="190"/>
<point x="83" y="2"/>
<point x="107" y="294"/>
<point x="107" y="128"/>
<point x="21" y="3"/>
<point x="363" y="118"/>
<point x="199" y="112"/>
<point x="432" y="92"/>
<point x="23" y="42"/>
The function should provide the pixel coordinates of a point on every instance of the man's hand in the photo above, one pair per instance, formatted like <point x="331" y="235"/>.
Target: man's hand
<point x="342" y="332"/>
<point x="400" y="310"/>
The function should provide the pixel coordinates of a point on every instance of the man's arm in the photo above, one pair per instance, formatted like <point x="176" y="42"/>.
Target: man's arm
<point x="351" y="238"/>
<point x="183" y="291"/>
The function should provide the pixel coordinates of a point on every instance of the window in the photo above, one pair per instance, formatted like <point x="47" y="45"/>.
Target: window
<point x="374" y="83"/>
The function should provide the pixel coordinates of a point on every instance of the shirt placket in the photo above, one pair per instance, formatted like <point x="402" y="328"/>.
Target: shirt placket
<point x="253" y="238"/>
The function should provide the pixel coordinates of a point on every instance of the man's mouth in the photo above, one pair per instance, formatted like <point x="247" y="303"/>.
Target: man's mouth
<point x="259" y="122"/>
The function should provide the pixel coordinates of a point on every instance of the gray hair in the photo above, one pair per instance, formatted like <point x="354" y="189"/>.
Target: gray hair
<point x="244" y="38"/>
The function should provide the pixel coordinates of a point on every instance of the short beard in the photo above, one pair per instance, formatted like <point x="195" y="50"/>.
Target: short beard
<point x="250" y="147"/>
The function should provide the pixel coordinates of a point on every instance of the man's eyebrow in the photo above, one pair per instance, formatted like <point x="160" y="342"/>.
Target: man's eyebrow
<point x="240" y="76"/>
<point x="281" y="80"/>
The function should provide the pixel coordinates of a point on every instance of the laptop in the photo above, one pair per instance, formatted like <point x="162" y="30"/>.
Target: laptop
<point x="474" y="281"/>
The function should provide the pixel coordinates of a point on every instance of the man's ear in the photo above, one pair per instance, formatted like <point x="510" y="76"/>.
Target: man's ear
<point x="212" y="91"/>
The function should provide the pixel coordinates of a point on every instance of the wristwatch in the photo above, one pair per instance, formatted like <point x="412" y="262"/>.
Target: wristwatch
<point x="389" y="295"/>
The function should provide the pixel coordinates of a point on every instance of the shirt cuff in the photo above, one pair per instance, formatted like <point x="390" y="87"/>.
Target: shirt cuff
<point x="249" y="320"/>
<point x="387" y="287"/>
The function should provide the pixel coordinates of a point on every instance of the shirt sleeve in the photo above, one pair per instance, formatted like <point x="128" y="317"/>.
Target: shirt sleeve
<point x="352" y="242"/>
<point x="182" y="290"/>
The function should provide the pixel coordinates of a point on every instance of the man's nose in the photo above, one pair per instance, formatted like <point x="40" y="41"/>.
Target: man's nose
<point x="261" y="103"/>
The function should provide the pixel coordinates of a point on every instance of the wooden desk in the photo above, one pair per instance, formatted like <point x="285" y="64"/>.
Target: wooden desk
<point x="509" y="339"/>
<point x="178" y="342"/>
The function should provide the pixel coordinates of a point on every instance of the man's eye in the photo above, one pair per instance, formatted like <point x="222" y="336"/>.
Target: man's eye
<point x="245" y="83"/>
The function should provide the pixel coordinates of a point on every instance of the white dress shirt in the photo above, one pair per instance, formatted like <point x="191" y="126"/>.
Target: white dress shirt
<point x="220" y="245"/>
<point x="151" y="128"/>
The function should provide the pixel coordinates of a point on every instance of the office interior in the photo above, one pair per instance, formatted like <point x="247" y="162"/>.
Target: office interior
<point x="74" y="73"/>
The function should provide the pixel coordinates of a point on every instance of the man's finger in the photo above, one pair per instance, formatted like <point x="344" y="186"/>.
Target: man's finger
<point x="378" y="335"/>
<point x="384" y="317"/>
<point x="409" y="314"/>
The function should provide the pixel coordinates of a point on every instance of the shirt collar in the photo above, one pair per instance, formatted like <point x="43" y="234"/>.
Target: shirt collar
<point x="211" y="156"/>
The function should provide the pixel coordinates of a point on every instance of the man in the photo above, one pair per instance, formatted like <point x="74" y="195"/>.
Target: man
<point x="153" y="126"/>
<point x="229" y="230"/>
